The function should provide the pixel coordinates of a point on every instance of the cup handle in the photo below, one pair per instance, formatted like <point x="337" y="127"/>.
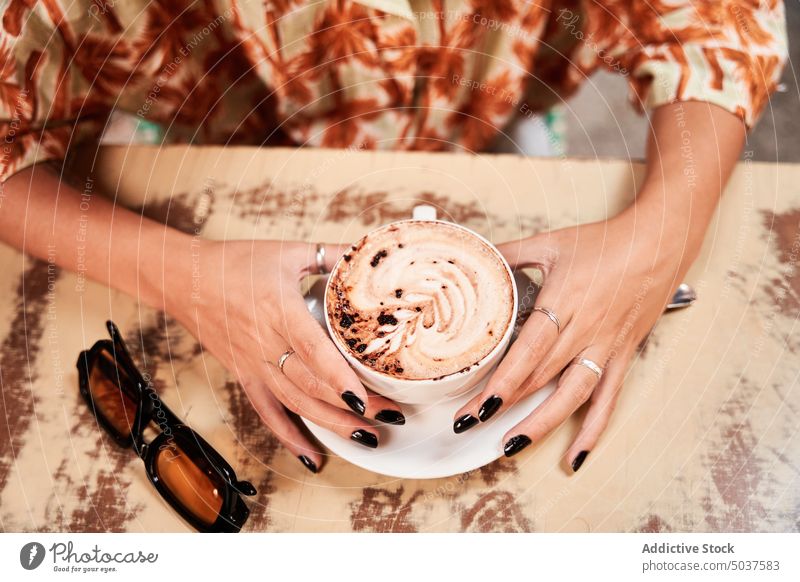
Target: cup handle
<point x="424" y="212"/>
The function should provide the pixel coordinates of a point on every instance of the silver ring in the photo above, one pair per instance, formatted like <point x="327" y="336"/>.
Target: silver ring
<point x="321" y="259"/>
<point x="552" y="316"/>
<point x="587" y="363"/>
<point x="282" y="360"/>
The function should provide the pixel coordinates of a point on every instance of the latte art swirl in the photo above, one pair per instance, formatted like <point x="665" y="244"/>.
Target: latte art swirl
<point x="420" y="300"/>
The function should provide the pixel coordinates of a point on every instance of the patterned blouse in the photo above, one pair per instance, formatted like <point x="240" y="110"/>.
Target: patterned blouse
<point x="389" y="74"/>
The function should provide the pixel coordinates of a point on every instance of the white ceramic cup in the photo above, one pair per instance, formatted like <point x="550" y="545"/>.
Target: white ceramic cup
<point x="428" y="391"/>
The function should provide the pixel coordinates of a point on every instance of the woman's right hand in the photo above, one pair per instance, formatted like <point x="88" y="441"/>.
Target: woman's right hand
<point x="240" y="299"/>
<point x="243" y="304"/>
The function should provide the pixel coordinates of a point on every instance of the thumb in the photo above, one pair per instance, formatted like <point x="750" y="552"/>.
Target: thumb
<point x="537" y="251"/>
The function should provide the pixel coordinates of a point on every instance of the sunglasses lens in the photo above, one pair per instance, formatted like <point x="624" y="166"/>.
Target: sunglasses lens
<point x="112" y="394"/>
<point x="191" y="481"/>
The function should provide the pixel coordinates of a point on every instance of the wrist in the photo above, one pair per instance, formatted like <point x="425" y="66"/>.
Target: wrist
<point x="669" y="235"/>
<point x="170" y="275"/>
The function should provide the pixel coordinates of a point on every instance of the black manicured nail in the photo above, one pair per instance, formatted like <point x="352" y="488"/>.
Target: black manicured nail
<point x="516" y="444"/>
<point x="309" y="464"/>
<point x="489" y="408"/>
<point x="391" y="417"/>
<point x="354" y="402"/>
<point x="579" y="459"/>
<point x="365" y="438"/>
<point x="464" y="423"/>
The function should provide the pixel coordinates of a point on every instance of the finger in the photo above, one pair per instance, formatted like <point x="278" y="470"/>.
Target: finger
<point x="537" y="251"/>
<point x="329" y="253"/>
<point x="315" y="349"/>
<point x="344" y="424"/>
<point x="377" y="407"/>
<point x="508" y="383"/>
<point x="601" y="407"/>
<point x="557" y="359"/>
<point x="273" y="414"/>
<point x="388" y="411"/>
<point x="298" y="372"/>
<point x="574" y="388"/>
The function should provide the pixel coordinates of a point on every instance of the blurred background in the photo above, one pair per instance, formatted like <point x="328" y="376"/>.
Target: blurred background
<point x="589" y="132"/>
<point x="599" y="121"/>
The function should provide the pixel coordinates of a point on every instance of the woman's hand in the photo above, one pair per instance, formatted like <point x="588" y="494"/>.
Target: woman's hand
<point x="240" y="299"/>
<point x="243" y="303"/>
<point x="607" y="283"/>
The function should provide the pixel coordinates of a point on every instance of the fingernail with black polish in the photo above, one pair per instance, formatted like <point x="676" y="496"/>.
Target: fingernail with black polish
<point x="578" y="461"/>
<point x="489" y="408"/>
<point x="391" y="417"/>
<point x="365" y="438"/>
<point x="354" y="402"/>
<point x="516" y="444"/>
<point x="309" y="464"/>
<point x="464" y="423"/>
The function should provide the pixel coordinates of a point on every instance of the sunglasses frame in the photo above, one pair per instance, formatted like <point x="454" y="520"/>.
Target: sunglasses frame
<point x="150" y="409"/>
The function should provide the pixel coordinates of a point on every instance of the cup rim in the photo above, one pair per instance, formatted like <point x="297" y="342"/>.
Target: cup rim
<point x="501" y="345"/>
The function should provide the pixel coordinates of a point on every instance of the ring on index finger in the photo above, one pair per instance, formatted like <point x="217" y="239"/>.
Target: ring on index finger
<point x="550" y="315"/>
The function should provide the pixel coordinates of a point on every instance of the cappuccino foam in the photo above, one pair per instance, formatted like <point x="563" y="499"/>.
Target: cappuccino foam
<point x="420" y="300"/>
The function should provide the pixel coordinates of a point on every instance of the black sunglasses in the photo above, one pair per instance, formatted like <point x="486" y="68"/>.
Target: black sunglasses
<point x="188" y="473"/>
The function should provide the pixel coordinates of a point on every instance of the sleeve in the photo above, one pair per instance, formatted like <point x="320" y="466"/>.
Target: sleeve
<point x="728" y="52"/>
<point x="47" y="105"/>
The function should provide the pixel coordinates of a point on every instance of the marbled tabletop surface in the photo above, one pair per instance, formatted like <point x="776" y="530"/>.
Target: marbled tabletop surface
<point x="704" y="438"/>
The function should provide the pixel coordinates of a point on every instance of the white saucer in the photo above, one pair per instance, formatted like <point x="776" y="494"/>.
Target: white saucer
<point x="426" y="446"/>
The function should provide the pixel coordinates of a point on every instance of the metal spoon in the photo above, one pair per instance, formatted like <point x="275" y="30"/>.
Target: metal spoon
<point x="684" y="296"/>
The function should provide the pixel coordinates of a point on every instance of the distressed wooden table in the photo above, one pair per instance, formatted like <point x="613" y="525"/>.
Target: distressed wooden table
<point x="705" y="437"/>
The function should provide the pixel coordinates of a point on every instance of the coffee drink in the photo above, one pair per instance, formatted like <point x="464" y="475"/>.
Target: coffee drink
<point x="420" y="300"/>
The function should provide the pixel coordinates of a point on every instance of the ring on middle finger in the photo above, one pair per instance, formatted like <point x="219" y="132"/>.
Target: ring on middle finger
<point x="282" y="360"/>
<point x="320" y="259"/>
<point x="590" y="364"/>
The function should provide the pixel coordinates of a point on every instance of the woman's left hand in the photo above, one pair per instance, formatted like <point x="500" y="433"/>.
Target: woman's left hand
<point x="607" y="283"/>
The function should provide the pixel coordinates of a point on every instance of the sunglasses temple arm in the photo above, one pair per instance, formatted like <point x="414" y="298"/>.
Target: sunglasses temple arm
<point x="244" y="487"/>
<point x="170" y="416"/>
<point x="116" y="336"/>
